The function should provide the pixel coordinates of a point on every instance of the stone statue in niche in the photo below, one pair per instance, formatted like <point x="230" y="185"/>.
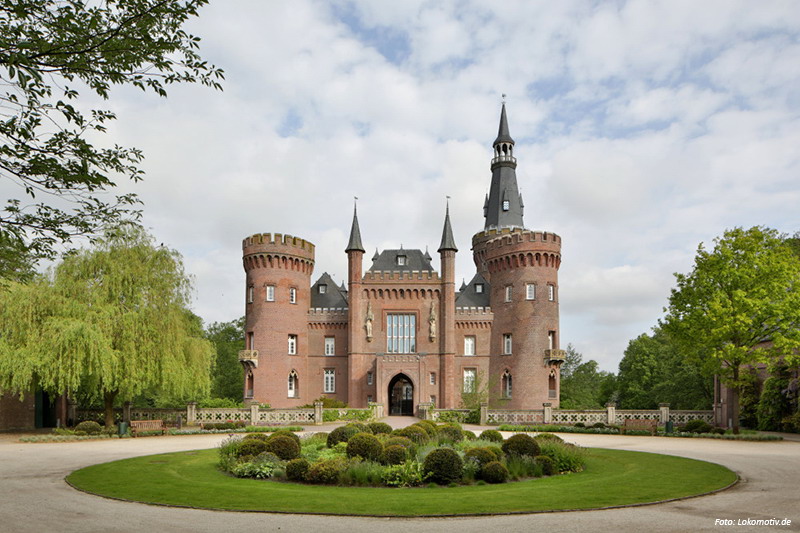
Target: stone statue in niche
<point x="368" y="321"/>
<point x="432" y="322"/>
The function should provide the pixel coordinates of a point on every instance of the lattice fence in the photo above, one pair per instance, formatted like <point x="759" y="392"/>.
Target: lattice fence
<point x="527" y="416"/>
<point x="569" y="416"/>
<point x="221" y="414"/>
<point x="639" y="414"/>
<point x="96" y="415"/>
<point x="459" y="415"/>
<point x="170" y="416"/>
<point x="681" y="417"/>
<point x="285" y="416"/>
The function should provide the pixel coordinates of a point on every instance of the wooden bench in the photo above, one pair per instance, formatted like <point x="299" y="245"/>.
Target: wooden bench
<point x="644" y="425"/>
<point x="147" y="425"/>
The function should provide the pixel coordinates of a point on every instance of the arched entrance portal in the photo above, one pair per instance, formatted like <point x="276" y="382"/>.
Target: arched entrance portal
<point x="401" y="396"/>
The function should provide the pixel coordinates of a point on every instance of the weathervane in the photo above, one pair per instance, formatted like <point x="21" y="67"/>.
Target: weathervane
<point x="504" y="97"/>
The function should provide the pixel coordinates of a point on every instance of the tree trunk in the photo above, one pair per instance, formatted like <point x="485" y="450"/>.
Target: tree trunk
<point x="735" y="403"/>
<point x="108" y="406"/>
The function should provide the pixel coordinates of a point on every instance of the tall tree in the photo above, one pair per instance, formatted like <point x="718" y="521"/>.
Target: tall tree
<point x="110" y="322"/>
<point x="51" y="49"/>
<point x="228" y="378"/>
<point x="583" y="385"/>
<point x="740" y="305"/>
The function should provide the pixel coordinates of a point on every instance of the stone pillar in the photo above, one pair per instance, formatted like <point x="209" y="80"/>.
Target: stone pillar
<point x="254" y="418"/>
<point x="126" y="412"/>
<point x="664" y="408"/>
<point x="317" y="413"/>
<point x="425" y="410"/>
<point x="484" y="413"/>
<point x="191" y="413"/>
<point x="548" y="413"/>
<point x="611" y="413"/>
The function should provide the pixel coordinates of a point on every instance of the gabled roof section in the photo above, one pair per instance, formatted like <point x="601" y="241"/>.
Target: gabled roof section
<point x="472" y="296"/>
<point x="331" y="297"/>
<point x="389" y="260"/>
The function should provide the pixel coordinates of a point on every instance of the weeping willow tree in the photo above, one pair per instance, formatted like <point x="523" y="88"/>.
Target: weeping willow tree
<point x="107" y="323"/>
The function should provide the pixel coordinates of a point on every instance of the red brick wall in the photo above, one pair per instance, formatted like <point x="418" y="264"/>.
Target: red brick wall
<point x="16" y="414"/>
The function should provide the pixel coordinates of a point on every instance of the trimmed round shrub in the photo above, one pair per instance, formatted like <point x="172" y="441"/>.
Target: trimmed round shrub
<point x="697" y="426"/>
<point x="267" y="457"/>
<point x="491" y="435"/>
<point x="451" y="423"/>
<point x="327" y="471"/>
<point x="482" y="456"/>
<point x="296" y="469"/>
<point x="497" y="451"/>
<point x="341" y="434"/>
<point x="428" y="431"/>
<point x="443" y="465"/>
<point x="416" y="434"/>
<point x="451" y="433"/>
<point x="494" y="472"/>
<point x="90" y="427"/>
<point x="362" y="428"/>
<point x="548" y="436"/>
<point x="398" y="440"/>
<point x="430" y="425"/>
<point x="598" y="425"/>
<point x="364" y="445"/>
<point x="548" y="465"/>
<point x="251" y="447"/>
<point x="579" y="425"/>
<point x="379" y="427"/>
<point x="285" y="432"/>
<point x="256" y="436"/>
<point x="394" y="455"/>
<point x="468" y="435"/>
<point x="283" y="446"/>
<point x="521" y="444"/>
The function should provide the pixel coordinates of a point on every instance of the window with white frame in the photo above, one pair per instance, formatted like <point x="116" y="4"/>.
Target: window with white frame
<point x="551" y="340"/>
<point x="479" y="288"/>
<point x="401" y="333"/>
<point x="369" y="378"/>
<point x="507" y="344"/>
<point x="469" y="345"/>
<point x="270" y="293"/>
<point x="508" y="293"/>
<point x="329" y="384"/>
<point x="292" y="295"/>
<point x="505" y="384"/>
<point x="530" y="291"/>
<point x="433" y="378"/>
<point x="369" y="399"/>
<point x="470" y="375"/>
<point x="330" y="345"/>
<point x="551" y="292"/>
<point x="292" y="385"/>
<point x="506" y="205"/>
<point x="250" y="294"/>
<point x="401" y="260"/>
<point x="292" y="344"/>
<point x="322" y="289"/>
<point x="251" y="344"/>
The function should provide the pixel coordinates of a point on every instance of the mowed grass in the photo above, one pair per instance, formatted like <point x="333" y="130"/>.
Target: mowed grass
<point x="611" y="478"/>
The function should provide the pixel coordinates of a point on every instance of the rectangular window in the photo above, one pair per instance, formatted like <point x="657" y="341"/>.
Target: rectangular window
<point x="551" y="293"/>
<point x="433" y="378"/>
<point x="551" y="340"/>
<point x="251" y="345"/>
<point x="270" y="293"/>
<point x="330" y="380"/>
<point x="323" y="289"/>
<point x="507" y="344"/>
<point x="469" y="380"/>
<point x="292" y="390"/>
<point x="469" y="345"/>
<point x="508" y="293"/>
<point x="250" y="294"/>
<point x="369" y="399"/>
<point x="530" y="291"/>
<point x="479" y="288"/>
<point x="401" y="333"/>
<point x="433" y="401"/>
<point x="292" y="295"/>
<point x="292" y="344"/>
<point x="369" y="378"/>
<point x="401" y="260"/>
<point x="330" y="345"/>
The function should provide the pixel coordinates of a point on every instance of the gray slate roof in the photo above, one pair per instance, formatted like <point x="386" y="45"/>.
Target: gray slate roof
<point x="469" y="297"/>
<point x="387" y="260"/>
<point x="448" y="242"/>
<point x="502" y="132"/>
<point x="355" y="235"/>
<point x="332" y="298"/>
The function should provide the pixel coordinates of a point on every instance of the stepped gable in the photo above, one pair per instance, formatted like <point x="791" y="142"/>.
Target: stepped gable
<point x="326" y="294"/>
<point x="469" y="295"/>
<point x="387" y="260"/>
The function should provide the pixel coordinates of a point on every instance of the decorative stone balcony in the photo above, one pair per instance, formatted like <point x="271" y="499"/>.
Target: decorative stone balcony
<point x="249" y="357"/>
<point x="554" y="357"/>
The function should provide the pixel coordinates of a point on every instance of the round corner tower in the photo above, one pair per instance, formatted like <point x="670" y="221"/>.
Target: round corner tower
<point x="521" y="267"/>
<point x="277" y="298"/>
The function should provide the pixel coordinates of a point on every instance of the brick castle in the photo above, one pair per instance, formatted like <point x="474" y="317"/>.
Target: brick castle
<point x="400" y="333"/>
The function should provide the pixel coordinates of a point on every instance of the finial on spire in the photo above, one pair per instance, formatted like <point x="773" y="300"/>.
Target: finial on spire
<point x="448" y="242"/>
<point x="504" y="98"/>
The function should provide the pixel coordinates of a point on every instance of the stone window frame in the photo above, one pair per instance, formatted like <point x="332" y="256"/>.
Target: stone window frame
<point x="292" y="344"/>
<point x="432" y="378"/>
<point x="269" y="295"/>
<point x="330" y="345"/>
<point x="292" y="295"/>
<point x="329" y="380"/>
<point x="292" y="387"/>
<point x="370" y="378"/>
<point x="472" y="345"/>
<point x="469" y="379"/>
<point x="508" y="344"/>
<point x="530" y="291"/>
<point x="250" y="293"/>
<point x="506" y="385"/>
<point x="551" y="292"/>
<point x="509" y="293"/>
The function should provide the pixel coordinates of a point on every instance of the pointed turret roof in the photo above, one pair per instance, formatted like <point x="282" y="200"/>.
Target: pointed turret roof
<point x="448" y="242"/>
<point x="502" y="132"/>
<point x="355" y="235"/>
<point x="503" y="207"/>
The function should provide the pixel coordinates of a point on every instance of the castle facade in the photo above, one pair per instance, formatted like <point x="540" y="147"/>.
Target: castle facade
<point x="400" y="333"/>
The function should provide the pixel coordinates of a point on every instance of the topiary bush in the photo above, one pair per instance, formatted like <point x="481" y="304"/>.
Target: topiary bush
<point x="491" y="435"/>
<point x="296" y="469"/>
<point x="497" y="451"/>
<point x="283" y="446"/>
<point x="494" y="472"/>
<point x="430" y="425"/>
<point x="286" y="433"/>
<point x="394" y="455"/>
<point x="251" y="447"/>
<point x="482" y="456"/>
<point x="326" y="471"/>
<point x="428" y="431"/>
<point x="362" y="428"/>
<point x="548" y="436"/>
<point x="598" y="425"/>
<point x="398" y="440"/>
<point x="450" y="434"/>
<point x="697" y="426"/>
<point x="521" y="444"/>
<point x="89" y="427"/>
<point x="547" y="464"/>
<point x="443" y="465"/>
<point x="341" y="434"/>
<point x="416" y="434"/>
<point x="256" y="436"/>
<point x="364" y="445"/>
<point x="378" y="428"/>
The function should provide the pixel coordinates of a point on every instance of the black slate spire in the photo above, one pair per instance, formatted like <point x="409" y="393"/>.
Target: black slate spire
<point x="502" y="132"/>
<point x="504" y="206"/>
<point x="448" y="242"/>
<point x="355" y="235"/>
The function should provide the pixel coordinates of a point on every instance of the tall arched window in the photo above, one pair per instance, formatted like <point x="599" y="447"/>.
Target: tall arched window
<point x="551" y="385"/>
<point x="293" y="391"/>
<point x="505" y="384"/>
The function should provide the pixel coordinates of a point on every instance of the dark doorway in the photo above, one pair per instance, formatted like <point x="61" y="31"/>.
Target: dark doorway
<point x="46" y="414"/>
<point x="401" y="396"/>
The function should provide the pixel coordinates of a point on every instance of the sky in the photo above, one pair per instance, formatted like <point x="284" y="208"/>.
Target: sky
<point x="642" y="129"/>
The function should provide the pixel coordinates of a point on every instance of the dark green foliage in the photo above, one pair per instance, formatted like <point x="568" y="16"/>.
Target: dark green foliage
<point x="749" y="395"/>
<point x="481" y="456"/>
<point x="361" y="428"/>
<point x="492" y="435"/>
<point x="286" y="433"/>
<point x="257" y="436"/>
<point x="521" y="444"/>
<point x="398" y="440"/>
<point x="267" y="457"/>
<point x="89" y="427"/>
<point x="327" y="403"/>
<point x="428" y="432"/>
<point x="469" y="435"/>
<point x="583" y="384"/>
<point x="224" y="425"/>
<point x="251" y="447"/>
<point x="228" y="376"/>
<point x="497" y="451"/>
<point x="791" y="423"/>
<point x="567" y="457"/>
<point x="494" y="472"/>
<point x="774" y="404"/>
<point x="450" y="434"/>
<point x="697" y="426"/>
<point x="547" y="464"/>
<point x="364" y="445"/>
<point x="341" y="434"/>
<point x="283" y="446"/>
<point x="430" y="425"/>
<point x="598" y="425"/>
<point x="579" y="425"/>
<point x="416" y="434"/>
<point x="443" y="465"/>
<point x="548" y="436"/>
<point x="326" y="471"/>
<point x="379" y="427"/>
<point x="296" y="469"/>
<point x="394" y="455"/>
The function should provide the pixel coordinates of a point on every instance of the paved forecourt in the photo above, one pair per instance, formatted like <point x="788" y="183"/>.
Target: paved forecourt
<point x="34" y="496"/>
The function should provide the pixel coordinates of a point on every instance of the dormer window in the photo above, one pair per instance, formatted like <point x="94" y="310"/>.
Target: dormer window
<point x="323" y="289"/>
<point x="506" y="205"/>
<point x="401" y="260"/>
<point x="479" y="288"/>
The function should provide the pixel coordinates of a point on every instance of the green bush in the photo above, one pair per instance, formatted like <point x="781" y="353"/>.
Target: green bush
<point x="450" y="434"/>
<point x="521" y="444"/>
<point x="428" y="431"/>
<point x="228" y="453"/>
<point x="362" y="428"/>
<point x="430" y="425"/>
<point x="378" y="428"/>
<point x="697" y="426"/>
<point x="492" y="435"/>
<point x="408" y="474"/>
<point x="416" y="434"/>
<point x="522" y="466"/>
<point x="256" y="436"/>
<point x="469" y="435"/>
<point x="567" y="457"/>
<point x="398" y="440"/>
<point x="497" y="451"/>
<point x="394" y="455"/>
<point x="327" y="403"/>
<point x="296" y="469"/>
<point x="548" y="436"/>
<point x="494" y="472"/>
<point x="251" y="447"/>
<point x="443" y="465"/>
<point x="258" y="470"/>
<point x="547" y="464"/>
<point x="364" y="445"/>
<point x="89" y="427"/>
<point x="362" y="474"/>
<point x="285" y="433"/>
<point x="283" y="446"/>
<point x="341" y="434"/>
<point x="791" y="423"/>
<point x="481" y="456"/>
<point x="598" y="425"/>
<point x="579" y="425"/>
<point x="326" y="471"/>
